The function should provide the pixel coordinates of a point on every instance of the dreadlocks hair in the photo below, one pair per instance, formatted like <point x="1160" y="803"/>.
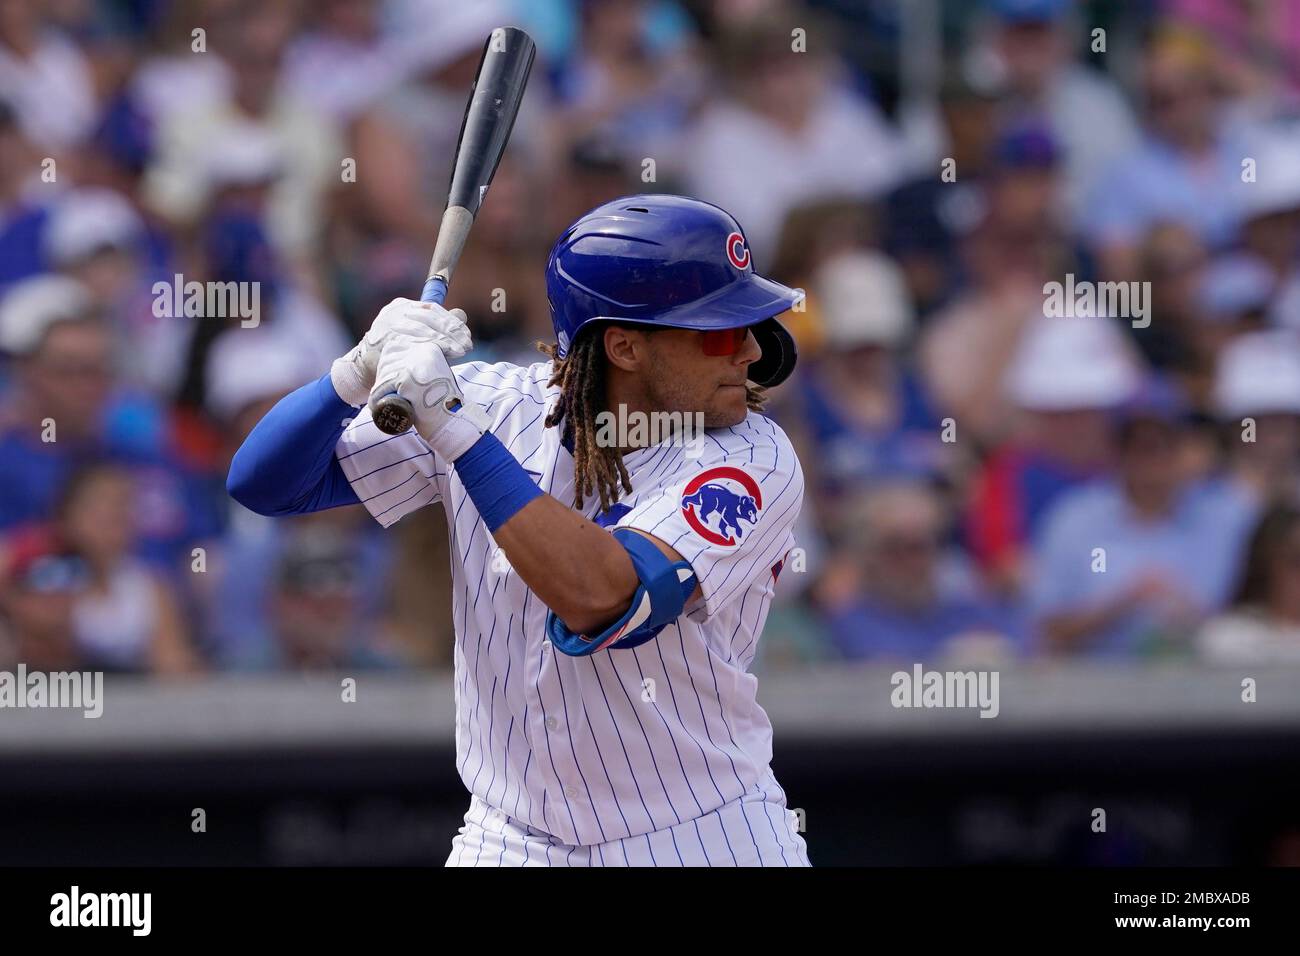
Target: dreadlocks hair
<point x="580" y="374"/>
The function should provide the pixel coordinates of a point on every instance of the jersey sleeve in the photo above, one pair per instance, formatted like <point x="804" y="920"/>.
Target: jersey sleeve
<point x="729" y="513"/>
<point x="392" y="475"/>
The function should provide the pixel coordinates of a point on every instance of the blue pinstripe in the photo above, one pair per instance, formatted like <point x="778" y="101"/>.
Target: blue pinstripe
<point x="622" y="746"/>
<point x="699" y="807"/>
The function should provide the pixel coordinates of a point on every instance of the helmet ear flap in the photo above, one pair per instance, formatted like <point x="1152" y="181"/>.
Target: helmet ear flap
<point x="779" y="354"/>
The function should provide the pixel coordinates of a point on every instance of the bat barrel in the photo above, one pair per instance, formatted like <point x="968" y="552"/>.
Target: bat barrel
<point x="489" y="117"/>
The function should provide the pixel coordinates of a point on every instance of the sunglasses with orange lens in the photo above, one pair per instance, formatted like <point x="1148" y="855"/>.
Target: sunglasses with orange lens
<point x="724" y="341"/>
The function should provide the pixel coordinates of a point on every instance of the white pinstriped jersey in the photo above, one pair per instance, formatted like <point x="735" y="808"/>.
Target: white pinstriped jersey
<point x="622" y="742"/>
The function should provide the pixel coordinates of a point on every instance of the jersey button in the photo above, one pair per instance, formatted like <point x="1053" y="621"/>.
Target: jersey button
<point x="571" y="792"/>
<point x="546" y="647"/>
<point x="551" y="723"/>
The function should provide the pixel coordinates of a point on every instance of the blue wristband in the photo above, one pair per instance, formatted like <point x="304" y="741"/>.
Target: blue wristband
<point x="495" y="481"/>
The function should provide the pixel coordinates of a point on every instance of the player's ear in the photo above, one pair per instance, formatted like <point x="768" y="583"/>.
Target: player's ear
<point x="624" y="347"/>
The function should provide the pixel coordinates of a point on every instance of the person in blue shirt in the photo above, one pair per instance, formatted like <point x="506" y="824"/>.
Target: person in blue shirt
<point x="1130" y="565"/>
<point x="306" y="599"/>
<point x="1187" y="170"/>
<point x="898" y="592"/>
<point x="865" y="412"/>
<point x="64" y="407"/>
<point x="22" y="217"/>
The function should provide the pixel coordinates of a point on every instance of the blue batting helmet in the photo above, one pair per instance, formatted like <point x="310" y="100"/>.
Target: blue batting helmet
<point x="661" y="260"/>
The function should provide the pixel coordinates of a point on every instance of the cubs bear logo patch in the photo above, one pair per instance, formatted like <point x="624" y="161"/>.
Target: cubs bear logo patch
<point x="716" y="502"/>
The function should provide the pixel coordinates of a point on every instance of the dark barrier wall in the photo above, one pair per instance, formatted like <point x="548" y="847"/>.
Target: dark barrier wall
<point x="286" y="773"/>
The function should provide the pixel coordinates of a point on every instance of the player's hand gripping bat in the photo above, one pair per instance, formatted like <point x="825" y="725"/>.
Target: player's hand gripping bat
<point x="489" y="117"/>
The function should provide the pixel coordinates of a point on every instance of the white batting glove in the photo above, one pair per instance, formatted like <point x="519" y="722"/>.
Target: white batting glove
<point x="418" y="371"/>
<point x="353" y="375"/>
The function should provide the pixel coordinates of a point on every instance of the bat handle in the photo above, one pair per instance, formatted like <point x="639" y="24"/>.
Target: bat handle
<point x="392" y="413"/>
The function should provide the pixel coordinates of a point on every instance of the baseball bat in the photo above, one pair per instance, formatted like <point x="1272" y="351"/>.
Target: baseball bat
<point x="489" y="117"/>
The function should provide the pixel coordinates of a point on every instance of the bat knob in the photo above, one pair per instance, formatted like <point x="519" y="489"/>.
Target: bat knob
<point x="392" y="414"/>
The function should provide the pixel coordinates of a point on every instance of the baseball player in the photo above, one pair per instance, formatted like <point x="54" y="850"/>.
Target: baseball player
<point x="607" y="600"/>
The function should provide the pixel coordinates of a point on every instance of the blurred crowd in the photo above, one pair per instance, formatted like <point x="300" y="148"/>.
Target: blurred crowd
<point x="986" y="480"/>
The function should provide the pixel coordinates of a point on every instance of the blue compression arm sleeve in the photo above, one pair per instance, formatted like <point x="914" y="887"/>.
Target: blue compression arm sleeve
<point x="286" y="465"/>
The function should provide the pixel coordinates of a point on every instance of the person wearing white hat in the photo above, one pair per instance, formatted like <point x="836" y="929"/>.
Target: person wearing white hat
<point x="259" y="133"/>
<point x="1270" y="201"/>
<point x="406" y="140"/>
<point x="1270" y="204"/>
<point x="251" y="372"/>
<point x="865" y="302"/>
<point x="1063" y="379"/>
<point x="67" y="405"/>
<point x="867" y="414"/>
<point x="60" y="352"/>
<point x="88" y="221"/>
<point x="97" y="237"/>
<point x="1257" y="398"/>
<point x="1072" y="363"/>
<point x="31" y="307"/>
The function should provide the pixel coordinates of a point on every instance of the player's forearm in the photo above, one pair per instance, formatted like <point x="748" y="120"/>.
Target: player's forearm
<point x="576" y="567"/>
<point x="573" y="565"/>
<point x="286" y="465"/>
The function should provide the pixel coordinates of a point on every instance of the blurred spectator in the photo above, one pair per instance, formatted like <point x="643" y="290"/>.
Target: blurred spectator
<point x="64" y="408"/>
<point x="259" y="127"/>
<point x="23" y="207"/>
<point x="39" y="585"/>
<point x="125" y="618"/>
<point x="1234" y="292"/>
<point x="1232" y="298"/>
<point x="1013" y="249"/>
<point x="780" y="132"/>
<point x="95" y="237"/>
<point x="1257" y="398"/>
<point x="1173" y="260"/>
<point x="619" y="82"/>
<point x="1256" y="48"/>
<point x="1031" y="45"/>
<point x="1129" y="566"/>
<point x="314" y="604"/>
<point x="594" y="173"/>
<point x="244" y="382"/>
<point x="1022" y="194"/>
<point x="405" y="143"/>
<point x="895" y="591"/>
<point x="236" y="594"/>
<point x="1270" y="202"/>
<point x="1262" y="626"/>
<point x="182" y="72"/>
<point x="1271" y="213"/>
<point x="867" y="415"/>
<point x="1065" y="377"/>
<point x="812" y="234"/>
<point x="1185" y="170"/>
<point x="926" y="216"/>
<point x="45" y="76"/>
<point x="343" y="61"/>
<point x="288" y="318"/>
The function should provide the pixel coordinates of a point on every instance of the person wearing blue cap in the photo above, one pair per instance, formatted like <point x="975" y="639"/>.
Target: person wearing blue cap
<point x="1033" y="46"/>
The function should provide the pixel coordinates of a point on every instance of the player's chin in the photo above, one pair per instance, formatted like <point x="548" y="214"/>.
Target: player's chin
<point x="730" y="406"/>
